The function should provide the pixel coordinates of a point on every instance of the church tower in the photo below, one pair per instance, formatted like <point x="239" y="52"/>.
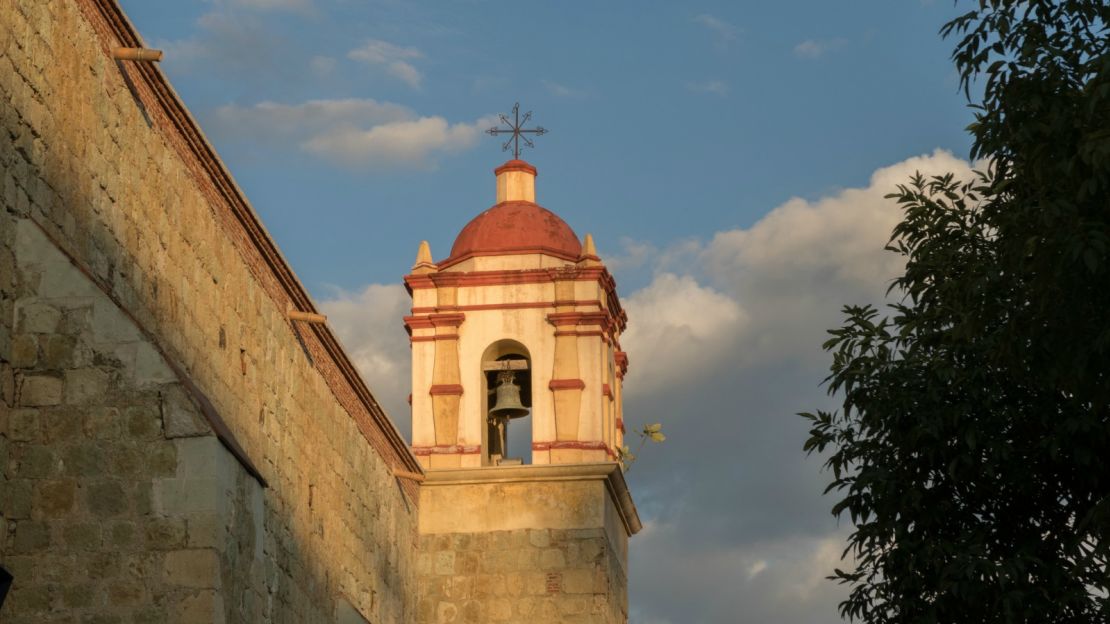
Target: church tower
<point x="519" y="307"/>
<point x="521" y="322"/>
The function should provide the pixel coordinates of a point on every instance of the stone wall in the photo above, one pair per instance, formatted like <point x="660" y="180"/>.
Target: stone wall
<point x="525" y="544"/>
<point x="172" y="448"/>
<point x="527" y="576"/>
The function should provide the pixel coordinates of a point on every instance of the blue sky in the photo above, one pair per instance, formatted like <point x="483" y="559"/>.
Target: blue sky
<point x="730" y="159"/>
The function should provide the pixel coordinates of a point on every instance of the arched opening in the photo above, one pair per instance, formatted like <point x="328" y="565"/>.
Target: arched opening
<point x="507" y="394"/>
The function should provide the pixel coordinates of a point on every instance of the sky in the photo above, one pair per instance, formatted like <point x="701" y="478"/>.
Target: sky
<point x="730" y="159"/>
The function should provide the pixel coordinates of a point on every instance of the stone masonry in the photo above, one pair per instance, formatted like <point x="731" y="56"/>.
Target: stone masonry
<point x="172" y="447"/>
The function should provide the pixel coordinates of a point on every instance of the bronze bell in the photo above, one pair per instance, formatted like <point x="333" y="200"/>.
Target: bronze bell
<point x="508" y="403"/>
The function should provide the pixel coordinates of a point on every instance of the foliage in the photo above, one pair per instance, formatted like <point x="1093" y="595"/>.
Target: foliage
<point x="972" y="450"/>
<point x="653" y="433"/>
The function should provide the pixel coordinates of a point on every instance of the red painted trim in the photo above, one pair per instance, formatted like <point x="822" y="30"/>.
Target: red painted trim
<point x="620" y="424"/>
<point x="606" y="390"/>
<point x="453" y="319"/>
<point x="566" y="384"/>
<point x="597" y="334"/>
<point x="417" y="322"/>
<point x="445" y="389"/>
<point x="578" y="318"/>
<point x="508" y="251"/>
<point x="446" y="449"/>
<point x="434" y="338"/>
<point x="621" y="359"/>
<point x="527" y="305"/>
<point x="573" y="444"/>
<point x="410" y="398"/>
<point x="516" y="165"/>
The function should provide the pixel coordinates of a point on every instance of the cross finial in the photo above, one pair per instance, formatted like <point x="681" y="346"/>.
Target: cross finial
<point x="516" y="130"/>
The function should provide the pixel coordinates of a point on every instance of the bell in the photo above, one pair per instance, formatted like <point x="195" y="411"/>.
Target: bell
<point x="508" y="403"/>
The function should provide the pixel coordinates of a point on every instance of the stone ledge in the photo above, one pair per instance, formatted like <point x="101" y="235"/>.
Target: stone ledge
<point x="609" y="472"/>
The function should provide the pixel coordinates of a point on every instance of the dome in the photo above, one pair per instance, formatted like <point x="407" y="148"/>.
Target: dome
<point x="516" y="226"/>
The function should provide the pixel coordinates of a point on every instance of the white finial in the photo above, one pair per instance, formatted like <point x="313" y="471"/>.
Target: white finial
<point x="424" y="257"/>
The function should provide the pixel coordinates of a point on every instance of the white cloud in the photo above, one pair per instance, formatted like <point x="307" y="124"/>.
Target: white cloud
<point x="716" y="87"/>
<point x="723" y="32"/>
<point x="368" y="323"/>
<point x="780" y="580"/>
<point x="393" y="58"/>
<point x="561" y="90"/>
<point x="680" y="324"/>
<point x="398" y="143"/>
<point x="352" y="132"/>
<point x="322" y="65"/>
<point x="816" y="48"/>
<point x="787" y="276"/>
<point x="274" y="5"/>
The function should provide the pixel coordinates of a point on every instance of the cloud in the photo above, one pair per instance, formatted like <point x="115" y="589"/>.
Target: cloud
<point x="399" y="143"/>
<point x="560" y="90"/>
<point x="679" y="322"/>
<point x="716" y="87"/>
<point x="817" y="48"/>
<point x="395" y="59"/>
<point x="369" y="323"/>
<point x="273" y="5"/>
<point x="351" y="132"/>
<point x="722" y="32"/>
<point x="322" y="65"/>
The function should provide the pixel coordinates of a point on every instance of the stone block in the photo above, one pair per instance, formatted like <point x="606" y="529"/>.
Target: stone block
<point x="122" y="535"/>
<point x="61" y="424"/>
<point x="37" y="318"/>
<point x="540" y="538"/>
<point x="161" y="459"/>
<point x="106" y="499"/>
<point x="84" y="460"/>
<point x="54" y="499"/>
<point x="23" y="425"/>
<point x="85" y="385"/>
<point x="165" y="534"/>
<point x="103" y="423"/>
<point x="82" y="536"/>
<point x="78" y="596"/>
<point x="180" y="417"/>
<point x="16" y="497"/>
<point x="552" y="559"/>
<point x="31" y="536"/>
<point x="60" y="351"/>
<point x="578" y="581"/>
<point x="25" y="351"/>
<point x="203" y="606"/>
<point x="205" y="530"/>
<point x="35" y="462"/>
<point x="40" y="390"/>
<point x="143" y="423"/>
<point x="197" y="568"/>
<point x="444" y="562"/>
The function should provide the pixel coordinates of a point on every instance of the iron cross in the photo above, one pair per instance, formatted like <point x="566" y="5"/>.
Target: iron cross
<point x="518" y="132"/>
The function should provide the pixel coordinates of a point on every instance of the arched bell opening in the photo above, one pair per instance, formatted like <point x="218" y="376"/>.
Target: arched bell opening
<point x="507" y="404"/>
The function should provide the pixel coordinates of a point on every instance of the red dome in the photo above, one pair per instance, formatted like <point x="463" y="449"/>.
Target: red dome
<point x="516" y="227"/>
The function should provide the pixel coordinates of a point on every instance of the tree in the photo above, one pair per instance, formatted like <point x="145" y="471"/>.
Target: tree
<point x="972" y="448"/>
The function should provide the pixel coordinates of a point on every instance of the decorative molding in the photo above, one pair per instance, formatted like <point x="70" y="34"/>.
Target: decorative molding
<point x="607" y="391"/>
<point x="566" y="384"/>
<point x="446" y="389"/>
<point x="446" y="449"/>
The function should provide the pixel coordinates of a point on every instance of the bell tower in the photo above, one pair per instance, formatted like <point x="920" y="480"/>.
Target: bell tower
<point x="519" y="323"/>
<point x="521" y="319"/>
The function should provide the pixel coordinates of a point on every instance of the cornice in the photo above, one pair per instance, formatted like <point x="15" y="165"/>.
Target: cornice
<point x="610" y="472"/>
